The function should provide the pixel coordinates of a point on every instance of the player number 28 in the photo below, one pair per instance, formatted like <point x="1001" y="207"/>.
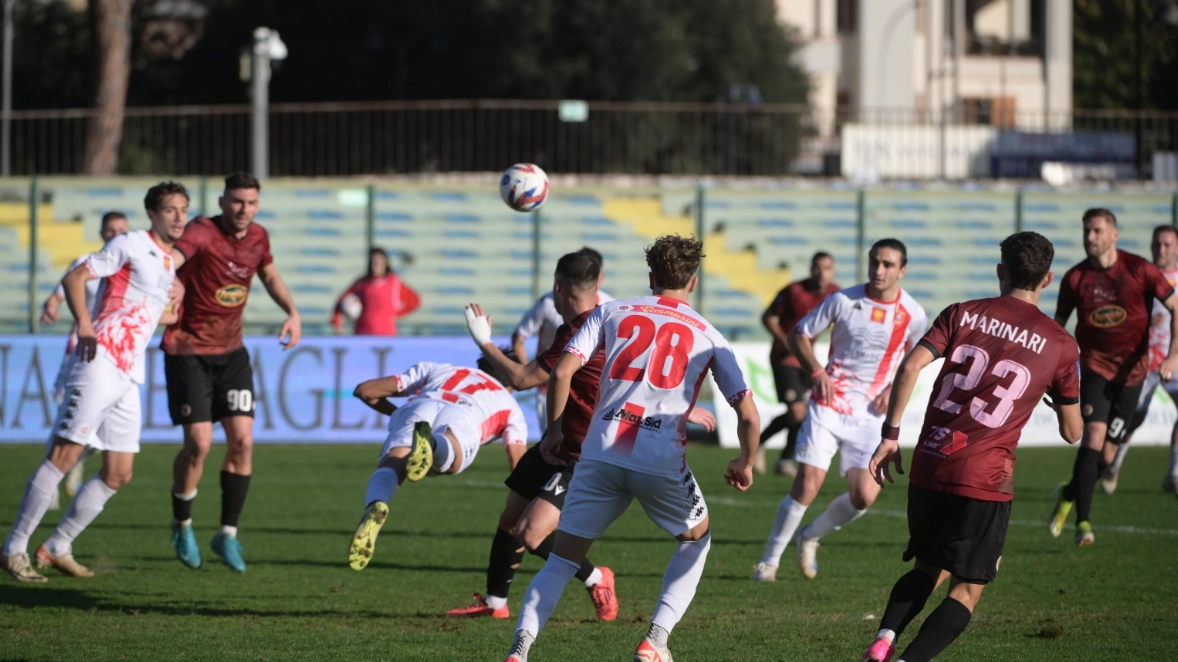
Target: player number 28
<point x="967" y="382"/>
<point x="668" y="362"/>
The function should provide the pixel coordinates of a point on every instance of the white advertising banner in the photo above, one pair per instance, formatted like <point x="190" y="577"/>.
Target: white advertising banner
<point x="1041" y="430"/>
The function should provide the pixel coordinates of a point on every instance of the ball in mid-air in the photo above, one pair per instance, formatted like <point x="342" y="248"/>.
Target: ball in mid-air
<point x="524" y="187"/>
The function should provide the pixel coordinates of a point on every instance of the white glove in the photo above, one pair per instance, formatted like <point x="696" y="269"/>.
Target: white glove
<point x="478" y="324"/>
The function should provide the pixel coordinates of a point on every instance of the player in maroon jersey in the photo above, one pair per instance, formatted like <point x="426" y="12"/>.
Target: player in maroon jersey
<point x="793" y="382"/>
<point x="537" y="489"/>
<point x="1113" y="293"/>
<point x="207" y="365"/>
<point x="1001" y="356"/>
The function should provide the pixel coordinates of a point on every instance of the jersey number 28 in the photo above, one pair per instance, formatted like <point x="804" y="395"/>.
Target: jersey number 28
<point x="1006" y="395"/>
<point x="667" y="365"/>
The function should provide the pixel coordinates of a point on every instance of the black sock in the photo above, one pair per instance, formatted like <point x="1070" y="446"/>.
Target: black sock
<point x="506" y="555"/>
<point x="181" y="508"/>
<point x="945" y="624"/>
<point x="791" y="442"/>
<point x="234" y="487"/>
<point x="1083" y="483"/>
<point x="776" y="425"/>
<point x="907" y="601"/>
<point x="545" y="548"/>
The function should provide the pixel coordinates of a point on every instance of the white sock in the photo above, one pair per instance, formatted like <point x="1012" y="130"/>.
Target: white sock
<point x="789" y="516"/>
<point x="544" y="592"/>
<point x="227" y="530"/>
<point x="594" y="578"/>
<point x="838" y="514"/>
<point x="86" y="505"/>
<point x="495" y="602"/>
<point x="1174" y="463"/>
<point x="443" y="453"/>
<point x="680" y="581"/>
<point x="885" y="633"/>
<point x="1118" y="460"/>
<point x="38" y="493"/>
<point x="381" y="486"/>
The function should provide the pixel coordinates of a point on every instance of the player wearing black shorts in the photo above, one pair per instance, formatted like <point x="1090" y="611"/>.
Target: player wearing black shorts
<point x="537" y="487"/>
<point x="1001" y="356"/>
<point x="1113" y="293"/>
<point x="793" y="382"/>
<point x="207" y="366"/>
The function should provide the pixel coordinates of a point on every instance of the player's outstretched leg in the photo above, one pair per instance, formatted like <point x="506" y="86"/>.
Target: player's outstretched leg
<point x="38" y="494"/>
<point x="845" y="508"/>
<point x="907" y="600"/>
<point x="183" y="538"/>
<point x="598" y="580"/>
<point x="234" y="488"/>
<point x="382" y="487"/>
<point x="506" y="555"/>
<point x="789" y="517"/>
<point x="539" y="602"/>
<point x="421" y="458"/>
<point x="57" y="552"/>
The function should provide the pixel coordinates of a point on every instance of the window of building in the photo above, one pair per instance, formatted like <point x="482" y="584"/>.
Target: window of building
<point x="847" y="16"/>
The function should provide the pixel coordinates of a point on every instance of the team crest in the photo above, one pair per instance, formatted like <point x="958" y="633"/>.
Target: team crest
<point x="878" y="315"/>
<point x="232" y="296"/>
<point x="168" y="262"/>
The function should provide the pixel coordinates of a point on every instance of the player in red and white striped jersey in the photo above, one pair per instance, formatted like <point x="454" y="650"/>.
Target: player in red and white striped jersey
<point x="451" y="412"/>
<point x="874" y="325"/>
<point x="657" y="353"/>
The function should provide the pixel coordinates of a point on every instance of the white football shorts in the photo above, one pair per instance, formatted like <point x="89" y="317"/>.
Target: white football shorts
<point x="459" y="420"/>
<point x="817" y="445"/>
<point x="600" y="492"/>
<point x="100" y="407"/>
<point x="1152" y="380"/>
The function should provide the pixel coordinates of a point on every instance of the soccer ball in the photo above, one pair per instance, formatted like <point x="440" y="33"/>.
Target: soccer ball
<point x="351" y="307"/>
<point x="524" y="187"/>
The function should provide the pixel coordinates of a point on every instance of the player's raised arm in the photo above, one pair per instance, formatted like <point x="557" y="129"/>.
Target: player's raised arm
<point x="276" y="287"/>
<point x="888" y="451"/>
<point x="513" y="374"/>
<point x="375" y="392"/>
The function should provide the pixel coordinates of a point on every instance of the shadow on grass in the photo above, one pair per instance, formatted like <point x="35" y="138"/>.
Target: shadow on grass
<point x="36" y="596"/>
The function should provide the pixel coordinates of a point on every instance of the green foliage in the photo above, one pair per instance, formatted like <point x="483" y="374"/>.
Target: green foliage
<point x="1105" y="55"/>
<point x="300" y="601"/>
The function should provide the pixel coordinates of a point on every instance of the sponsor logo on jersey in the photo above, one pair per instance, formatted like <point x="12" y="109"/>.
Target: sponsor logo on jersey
<point x="239" y="271"/>
<point x="648" y="423"/>
<point x="232" y="296"/>
<point x="1107" y="317"/>
<point x="878" y="315"/>
<point x="674" y="314"/>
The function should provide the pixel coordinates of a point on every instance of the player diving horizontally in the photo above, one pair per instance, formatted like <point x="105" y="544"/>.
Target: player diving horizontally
<point x="451" y="412"/>
<point x="658" y="352"/>
<point x="1001" y="356"/>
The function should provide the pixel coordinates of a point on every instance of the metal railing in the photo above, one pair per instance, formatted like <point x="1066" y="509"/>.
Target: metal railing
<point x="400" y="137"/>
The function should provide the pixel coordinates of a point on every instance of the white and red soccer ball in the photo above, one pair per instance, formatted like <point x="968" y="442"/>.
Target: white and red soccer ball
<point x="524" y="187"/>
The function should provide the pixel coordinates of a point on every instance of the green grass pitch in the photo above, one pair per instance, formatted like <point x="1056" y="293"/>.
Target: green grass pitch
<point x="1117" y="600"/>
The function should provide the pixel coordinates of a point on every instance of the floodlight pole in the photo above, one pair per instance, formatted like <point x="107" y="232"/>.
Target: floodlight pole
<point x="267" y="46"/>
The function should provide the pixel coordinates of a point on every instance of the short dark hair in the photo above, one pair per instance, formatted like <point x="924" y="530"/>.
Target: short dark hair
<point x="1028" y="257"/>
<point x="578" y="269"/>
<point x="240" y="180"/>
<point x="156" y="194"/>
<point x="112" y="216"/>
<point x="486" y="366"/>
<point x="595" y="255"/>
<point x="1097" y="212"/>
<point x="894" y="244"/>
<point x="820" y="255"/>
<point x="673" y="260"/>
<point x="1164" y="228"/>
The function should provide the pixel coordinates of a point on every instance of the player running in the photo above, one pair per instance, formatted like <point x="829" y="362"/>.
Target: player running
<point x="114" y="223"/>
<point x="102" y="389"/>
<point x="207" y="365"/>
<point x="450" y="414"/>
<point x="1112" y="293"/>
<point x="793" y="382"/>
<point x="1165" y="257"/>
<point x="537" y="488"/>
<point x="657" y="353"/>
<point x="875" y="324"/>
<point x="1001" y="356"/>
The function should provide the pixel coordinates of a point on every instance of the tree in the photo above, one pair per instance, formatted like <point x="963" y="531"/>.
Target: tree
<point x="112" y="37"/>
<point x="1105" y="55"/>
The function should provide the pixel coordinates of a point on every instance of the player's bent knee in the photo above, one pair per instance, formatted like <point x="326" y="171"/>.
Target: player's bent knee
<point x="862" y="501"/>
<point x="116" y="480"/>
